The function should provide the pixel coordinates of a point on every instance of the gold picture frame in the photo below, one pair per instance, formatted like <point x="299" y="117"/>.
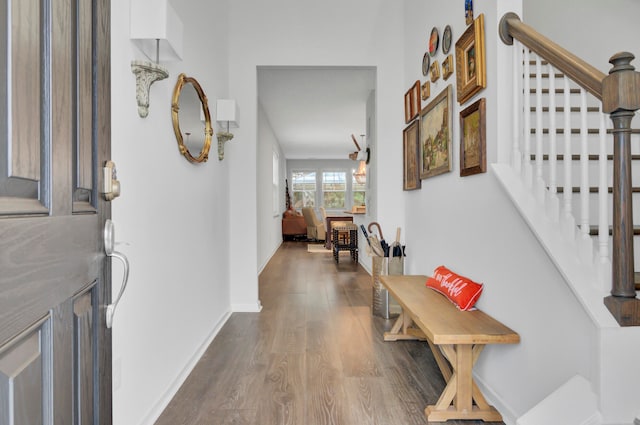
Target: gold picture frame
<point x="436" y="135"/>
<point x="447" y="67"/>
<point x="435" y="71"/>
<point x="471" y="74"/>
<point x="412" y="102"/>
<point x="411" y="159"/>
<point x="425" y="90"/>
<point x="473" y="146"/>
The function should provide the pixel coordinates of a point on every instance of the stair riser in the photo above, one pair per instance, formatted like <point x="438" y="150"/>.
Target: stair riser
<point x="593" y="119"/>
<point x="575" y="142"/>
<point x="636" y="250"/>
<point x="593" y="170"/>
<point x="594" y="208"/>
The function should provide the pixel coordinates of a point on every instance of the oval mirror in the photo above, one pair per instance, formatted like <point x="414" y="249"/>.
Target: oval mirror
<point x="191" y="119"/>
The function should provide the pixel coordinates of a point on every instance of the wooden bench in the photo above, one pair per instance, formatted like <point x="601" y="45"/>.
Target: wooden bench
<point x="456" y="339"/>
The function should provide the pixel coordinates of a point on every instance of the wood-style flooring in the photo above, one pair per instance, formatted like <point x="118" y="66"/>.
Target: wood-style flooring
<point x="314" y="355"/>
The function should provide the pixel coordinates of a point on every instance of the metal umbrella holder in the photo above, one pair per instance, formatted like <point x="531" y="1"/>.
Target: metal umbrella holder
<point x="385" y="260"/>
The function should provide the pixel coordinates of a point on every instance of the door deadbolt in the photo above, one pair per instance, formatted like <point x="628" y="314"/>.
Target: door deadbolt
<point x="111" y="185"/>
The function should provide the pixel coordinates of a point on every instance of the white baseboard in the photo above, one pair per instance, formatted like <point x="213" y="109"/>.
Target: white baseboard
<point x="168" y="395"/>
<point x="508" y="415"/>
<point x="247" y="308"/>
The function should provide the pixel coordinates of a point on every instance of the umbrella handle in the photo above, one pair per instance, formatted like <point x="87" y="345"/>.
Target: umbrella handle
<point x="375" y="223"/>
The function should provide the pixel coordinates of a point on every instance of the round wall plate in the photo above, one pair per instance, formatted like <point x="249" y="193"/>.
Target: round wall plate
<point x="434" y="39"/>
<point x="446" y="39"/>
<point x="426" y="62"/>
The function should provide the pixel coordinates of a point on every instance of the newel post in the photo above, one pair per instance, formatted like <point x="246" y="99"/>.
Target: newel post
<point x="620" y="99"/>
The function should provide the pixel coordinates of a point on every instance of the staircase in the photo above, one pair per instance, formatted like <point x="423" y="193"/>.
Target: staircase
<point x="578" y="169"/>
<point x="570" y="173"/>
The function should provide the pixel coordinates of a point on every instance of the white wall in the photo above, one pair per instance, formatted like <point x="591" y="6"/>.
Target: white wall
<point x="291" y="33"/>
<point x="171" y="220"/>
<point x="269" y="223"/>
<point x="469" y="224"/>
<point x="592" y="29"/>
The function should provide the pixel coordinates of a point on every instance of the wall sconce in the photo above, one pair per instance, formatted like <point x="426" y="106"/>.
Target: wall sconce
<point x="225" y="112"/>
<point x="363" y="156"/>
<point x="156" y="30"/>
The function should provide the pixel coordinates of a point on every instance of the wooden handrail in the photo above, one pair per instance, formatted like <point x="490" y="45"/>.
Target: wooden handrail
<point x="585" y="75"/>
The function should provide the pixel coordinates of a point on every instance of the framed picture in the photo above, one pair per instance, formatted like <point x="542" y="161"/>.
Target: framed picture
<point x="447" y="67"/>
<point x="434" y="39"/>
<point x="471" y="75"/>
<point x="425" y="90"/>
<point x="411" y="163"/>
<point x="473" y="147"/>
<point x="435" y="71"/>
<point x="435" y="135"/>
<point x="426" y="59"/>
<point x="446" y="39"/>
<point x="468" y="11"/>
<point x="412" y="102"/>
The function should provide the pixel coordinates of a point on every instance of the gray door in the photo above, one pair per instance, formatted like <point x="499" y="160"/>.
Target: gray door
<point x="55" y="351"/>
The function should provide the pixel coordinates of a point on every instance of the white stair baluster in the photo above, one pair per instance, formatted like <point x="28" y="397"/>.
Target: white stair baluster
<point x="527" y="120"/>
<point x="553" y="208"/>
<point x="539" y="181"/>
<point x="568" y="160"/>
<point x="517" y="107"/>
<point x="584" y="164"/>
<point x="586" y="243"/>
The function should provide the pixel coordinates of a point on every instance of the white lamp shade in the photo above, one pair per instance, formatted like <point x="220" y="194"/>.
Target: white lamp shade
<point x="226" y="110"/>
<point x="153" y="20"/>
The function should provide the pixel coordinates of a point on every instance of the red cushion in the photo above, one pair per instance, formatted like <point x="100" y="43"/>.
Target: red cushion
<point x="462" y="291"/>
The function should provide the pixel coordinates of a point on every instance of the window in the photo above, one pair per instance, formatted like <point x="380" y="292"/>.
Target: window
<point x="334" y="189"/>
<point x="303" y="185"/>
<point x="359" y="190"/>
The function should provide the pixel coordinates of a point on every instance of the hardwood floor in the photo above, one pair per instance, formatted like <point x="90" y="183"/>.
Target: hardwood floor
<point x="313" y="356"/>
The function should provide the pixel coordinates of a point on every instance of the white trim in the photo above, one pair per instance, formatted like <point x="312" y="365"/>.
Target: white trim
<point x="508" y="415"/>
<point x="247" y="308"/>
<point x="168" y="395"/>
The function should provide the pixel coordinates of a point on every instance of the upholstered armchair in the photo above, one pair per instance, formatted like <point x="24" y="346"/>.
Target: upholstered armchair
<point x="315" y="227"/>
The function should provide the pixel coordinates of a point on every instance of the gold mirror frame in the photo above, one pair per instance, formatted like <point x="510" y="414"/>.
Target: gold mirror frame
<point x="175" y="109"/>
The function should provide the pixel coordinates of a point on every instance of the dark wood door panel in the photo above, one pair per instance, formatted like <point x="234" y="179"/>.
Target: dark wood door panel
<point x="24" y="386"/>
<point x="22" y="143"/>
<point x="44" y="261"/>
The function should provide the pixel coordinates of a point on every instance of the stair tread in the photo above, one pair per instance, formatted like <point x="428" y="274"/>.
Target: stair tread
<point x="577" y="131"/>
<point x="572" y="109"/>
<point x="594" y="189"/>
<point x="576" y="157"/>
<point x="557" y="91"/>
<point x="593" y="230"/>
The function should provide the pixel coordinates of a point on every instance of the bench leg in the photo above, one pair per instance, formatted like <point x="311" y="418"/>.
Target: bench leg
<point x="457" y="399"/>
<point x="401" y="330"/>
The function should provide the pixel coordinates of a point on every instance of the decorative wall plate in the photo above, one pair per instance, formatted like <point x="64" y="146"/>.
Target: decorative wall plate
<point x="434" y="39"/>
<point x="426" y="61"/>
<point x="446" y="39"/>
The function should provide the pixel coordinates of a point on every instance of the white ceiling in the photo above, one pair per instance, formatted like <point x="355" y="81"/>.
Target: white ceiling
<point x="313" y="111"/>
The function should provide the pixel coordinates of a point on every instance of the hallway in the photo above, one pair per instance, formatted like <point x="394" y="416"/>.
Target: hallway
<point x="314" y="355"/>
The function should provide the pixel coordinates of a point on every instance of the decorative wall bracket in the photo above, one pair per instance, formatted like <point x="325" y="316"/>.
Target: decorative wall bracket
<point x="223" y="136"/>
<point x="146" y="74"/>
